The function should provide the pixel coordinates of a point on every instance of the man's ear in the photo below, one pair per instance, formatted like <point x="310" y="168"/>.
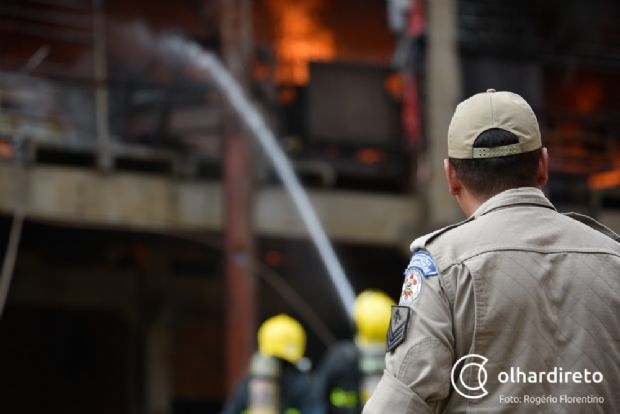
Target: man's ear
<point x="454" y="183"/>
<point x="542" y="173"/>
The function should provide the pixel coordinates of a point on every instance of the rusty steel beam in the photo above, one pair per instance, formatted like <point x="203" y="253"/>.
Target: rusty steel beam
<point x="240" y="285"/>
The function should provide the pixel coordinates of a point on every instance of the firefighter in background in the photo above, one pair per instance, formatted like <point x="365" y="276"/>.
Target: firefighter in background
<point x="274" y="385"/>
<point x="350" y="370"/>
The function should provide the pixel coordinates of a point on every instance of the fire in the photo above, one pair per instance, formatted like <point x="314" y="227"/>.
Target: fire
<point x="300" y="38"/>
<point x="606" y="179"/>
<point x="588" y="96"/>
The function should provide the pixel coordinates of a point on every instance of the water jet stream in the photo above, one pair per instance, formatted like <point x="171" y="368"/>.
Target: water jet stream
<point x="254" y="122"/>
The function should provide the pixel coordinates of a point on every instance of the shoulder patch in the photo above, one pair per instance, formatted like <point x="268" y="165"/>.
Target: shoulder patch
<point x="412" y="286"/>
<point x="397" y="331"/>
<point x="423" y="261"/>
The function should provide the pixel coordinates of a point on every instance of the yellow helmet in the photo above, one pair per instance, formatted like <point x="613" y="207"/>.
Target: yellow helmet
<point x="283" y="337"/>
<point x="371" y="312"/>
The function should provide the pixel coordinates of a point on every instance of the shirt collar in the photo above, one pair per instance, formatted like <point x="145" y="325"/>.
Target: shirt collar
<point x="514" y="196"/>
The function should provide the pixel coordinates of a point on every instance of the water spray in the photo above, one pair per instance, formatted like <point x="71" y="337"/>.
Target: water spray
<point x="257" y="126"/>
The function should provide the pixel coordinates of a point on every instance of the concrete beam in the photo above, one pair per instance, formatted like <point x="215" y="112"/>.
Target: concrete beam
<point x="158" y="203"/>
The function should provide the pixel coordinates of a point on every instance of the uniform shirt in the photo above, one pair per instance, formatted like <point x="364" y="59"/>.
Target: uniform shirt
<point x="337" y="380"/>
<point x="347" y="375"/>
<point x="527" y="288"/>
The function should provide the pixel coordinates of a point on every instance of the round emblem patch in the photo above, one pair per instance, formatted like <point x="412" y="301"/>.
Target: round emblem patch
<point x="412" y="286"/>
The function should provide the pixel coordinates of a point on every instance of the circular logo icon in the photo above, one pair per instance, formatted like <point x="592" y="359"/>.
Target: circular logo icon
<point x="472" y="376"/>
<point x="412" y="286"/>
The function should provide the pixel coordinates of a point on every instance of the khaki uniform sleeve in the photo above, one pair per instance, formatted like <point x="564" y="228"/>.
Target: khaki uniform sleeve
<point x="417" y="372"/>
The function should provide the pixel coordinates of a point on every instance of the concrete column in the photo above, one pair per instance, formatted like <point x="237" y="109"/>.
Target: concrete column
<point x="158" y="379"/>
<point x="154" y="285"/>
<point x="443" y="92"/>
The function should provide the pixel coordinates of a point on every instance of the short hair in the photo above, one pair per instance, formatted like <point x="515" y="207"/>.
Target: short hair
<point x="485" y="177"/>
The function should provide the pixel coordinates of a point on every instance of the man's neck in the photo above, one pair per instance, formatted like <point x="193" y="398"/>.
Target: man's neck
<point x="468" y="202"/>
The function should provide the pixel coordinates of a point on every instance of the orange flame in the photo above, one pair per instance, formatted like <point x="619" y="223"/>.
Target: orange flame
<point x="588" y="96"/>
<point x="300" y="38"/>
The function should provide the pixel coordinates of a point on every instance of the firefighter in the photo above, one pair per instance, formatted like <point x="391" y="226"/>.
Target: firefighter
<point x="274" y="385"/>
<point x="516" y="286"/>
<point x="350" y="370"/>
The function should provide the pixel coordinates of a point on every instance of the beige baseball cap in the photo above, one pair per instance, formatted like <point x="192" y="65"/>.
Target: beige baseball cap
<point x="487" y="110"/>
